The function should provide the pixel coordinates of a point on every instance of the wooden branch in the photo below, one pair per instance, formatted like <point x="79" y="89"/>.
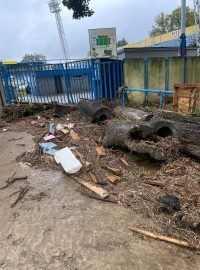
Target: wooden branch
<point x="20" y="196"/>
<point x="161" y="237"/>
<point x="12" y="180"/>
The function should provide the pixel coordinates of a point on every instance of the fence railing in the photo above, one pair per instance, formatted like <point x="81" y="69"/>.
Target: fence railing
<point x="63" y="82"/>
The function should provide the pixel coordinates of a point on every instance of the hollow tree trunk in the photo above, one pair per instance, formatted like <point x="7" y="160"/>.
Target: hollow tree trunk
<point x="125" y="134"/>
<point x="133" y="114"/>
<point x="94" y="110"/>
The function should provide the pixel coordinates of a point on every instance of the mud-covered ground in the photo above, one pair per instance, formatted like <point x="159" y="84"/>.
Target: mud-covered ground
<point x="55" y="227"/>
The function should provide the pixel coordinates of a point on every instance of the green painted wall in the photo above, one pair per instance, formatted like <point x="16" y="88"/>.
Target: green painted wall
<point x="134" y="75"/>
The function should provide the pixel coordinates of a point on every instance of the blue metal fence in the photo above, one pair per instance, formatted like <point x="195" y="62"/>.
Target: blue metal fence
<point x="63" y="82"/>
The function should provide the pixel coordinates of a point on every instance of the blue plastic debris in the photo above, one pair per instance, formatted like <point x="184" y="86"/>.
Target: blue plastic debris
<point x="48" y="148"/>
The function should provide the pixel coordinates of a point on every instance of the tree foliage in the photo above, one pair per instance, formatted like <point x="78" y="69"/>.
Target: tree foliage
<point x="80" y="8"/>
<point x="165" y="23"/>
<point x="121" y="43"/>
<point x="36" y="57"/>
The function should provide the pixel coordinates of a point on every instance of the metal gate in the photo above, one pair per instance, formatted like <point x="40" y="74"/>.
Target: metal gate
<point x="63" y="82"/>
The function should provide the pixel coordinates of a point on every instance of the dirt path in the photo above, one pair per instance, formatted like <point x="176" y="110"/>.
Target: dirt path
<point x="65" y="230"/>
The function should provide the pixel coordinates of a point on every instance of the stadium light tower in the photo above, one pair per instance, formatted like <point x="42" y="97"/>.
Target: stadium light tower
<point x="54" y="6"/>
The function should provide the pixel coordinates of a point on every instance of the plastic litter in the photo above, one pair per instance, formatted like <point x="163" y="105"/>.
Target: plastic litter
<point x="48" y="148"/>
<point x="59" y="127"/>
<point x="33" y="122"/>
<point x="49" y="137"/>
<point x="67" y="159"/>
<point x="71" y="126"/>
<point x="52" y="128"/>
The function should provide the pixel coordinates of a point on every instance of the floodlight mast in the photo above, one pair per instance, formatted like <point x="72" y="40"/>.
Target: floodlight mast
<point x="54" y="6"/>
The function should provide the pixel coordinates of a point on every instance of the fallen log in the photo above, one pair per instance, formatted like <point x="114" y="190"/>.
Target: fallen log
<point x="162" y="238"/>
<point x="94" y="110"/>
<point x="134" y="137"/>
<point x="191" y="150"/>
<point x="177" y="117"/>
<point x="133" y="114"/>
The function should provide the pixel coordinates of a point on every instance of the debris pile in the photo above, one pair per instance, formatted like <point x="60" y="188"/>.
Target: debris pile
<point x="103" y="159"/>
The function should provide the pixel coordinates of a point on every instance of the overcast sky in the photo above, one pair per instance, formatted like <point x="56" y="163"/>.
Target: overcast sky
<point x="27" y="26"/>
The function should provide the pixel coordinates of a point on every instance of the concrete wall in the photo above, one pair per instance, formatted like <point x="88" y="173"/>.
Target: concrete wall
<point x="134" y="75"/>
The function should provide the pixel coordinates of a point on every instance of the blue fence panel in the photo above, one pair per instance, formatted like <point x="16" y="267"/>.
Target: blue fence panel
<point x="63" y="82"/>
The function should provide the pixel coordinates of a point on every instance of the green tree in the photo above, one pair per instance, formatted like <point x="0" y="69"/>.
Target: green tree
<point x="121" y="43"/>
<point x="80" y="8"/>
<point x="36" y="57"/>
<point x="165" y="23"/>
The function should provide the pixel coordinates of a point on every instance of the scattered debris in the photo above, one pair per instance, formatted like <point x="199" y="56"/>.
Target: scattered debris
<point x="33" y="122"/>
<point x="112" y="178"/>
<point x="161" y="237"/>
<point x="123" y="160"/>
<point x="36" y="197"/>
<point x="145" y="181"/>
<point x="63" y="109"/>
<point x="49" y="137"/>
<point x="71" y="126"/>
<point x="21" y="195"/>
<point x="109" y="198"/>
<point x="67" y="159"/>
<point x="93" y="177"/>
<point x="74" y="135"/>
<point x="98" y="190"/>
<point x="95" y="110"/>
<point x="15" y="139"/>
<point x="48" y="148"/>
<point x="170" y="202"/>
<point x="59" y="127"/>
<point x="52" y="128"/>
<point x="20" y="144"/>
<point x="65" y="131"/>
<point x="13" y="179"/>
<point x="113" y="170"/>
<point x="101" y="152"/>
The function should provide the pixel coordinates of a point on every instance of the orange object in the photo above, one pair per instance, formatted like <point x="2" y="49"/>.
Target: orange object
<point x="93" y="177"/>
<point x="101" y="151"/>
<point x="186" y="98"/>
<point x="112" y="178"/>
<point x="74" y="135"/>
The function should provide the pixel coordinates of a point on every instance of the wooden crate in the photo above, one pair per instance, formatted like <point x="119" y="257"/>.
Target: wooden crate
<point x="186" y="98"/>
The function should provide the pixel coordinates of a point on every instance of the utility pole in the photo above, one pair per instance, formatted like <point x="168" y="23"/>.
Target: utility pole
<point x="183" y="16"/>
<point x="197" y="23"/>
<point x="182" y="49"/>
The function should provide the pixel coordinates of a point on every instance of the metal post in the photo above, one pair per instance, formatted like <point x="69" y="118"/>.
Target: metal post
<point x="185" y="69"/>
<point x="183" y="16"/>
<point x="146" y="77"/>
<point x="166" y="73"/>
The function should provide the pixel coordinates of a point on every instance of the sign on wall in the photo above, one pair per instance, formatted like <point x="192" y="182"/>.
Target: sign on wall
<point x="103" y="43"/>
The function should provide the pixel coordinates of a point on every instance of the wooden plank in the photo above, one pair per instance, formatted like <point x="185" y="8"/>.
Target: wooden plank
<point x="98" y="190"/>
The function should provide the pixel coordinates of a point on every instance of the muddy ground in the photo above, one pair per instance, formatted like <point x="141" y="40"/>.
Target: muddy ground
<point x="55" y="227"/>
